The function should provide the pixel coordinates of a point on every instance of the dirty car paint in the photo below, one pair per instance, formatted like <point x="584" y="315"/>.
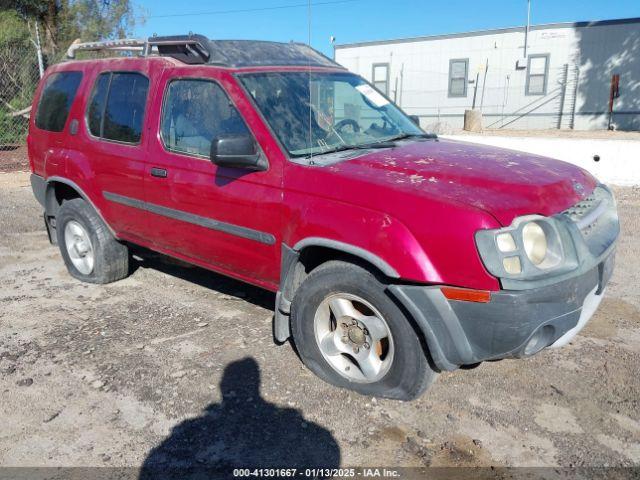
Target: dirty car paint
<point x="501" y="182"/>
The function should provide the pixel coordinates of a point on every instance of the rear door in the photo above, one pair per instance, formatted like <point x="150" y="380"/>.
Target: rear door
<point x="115" y="141"/>
<point x="228" y="219"/>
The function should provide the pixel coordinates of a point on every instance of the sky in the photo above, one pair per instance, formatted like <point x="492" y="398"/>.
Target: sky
<point x="361" y="20"/>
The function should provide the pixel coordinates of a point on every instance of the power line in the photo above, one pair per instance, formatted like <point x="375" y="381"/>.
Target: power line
<point x="258" y="9"/>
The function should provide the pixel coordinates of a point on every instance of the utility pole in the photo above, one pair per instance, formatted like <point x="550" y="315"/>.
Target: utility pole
<point x="484" y="83"/>
<point x="526" y="32"/>
<point x="39" y="50"/>
<point x="475" y="90"/>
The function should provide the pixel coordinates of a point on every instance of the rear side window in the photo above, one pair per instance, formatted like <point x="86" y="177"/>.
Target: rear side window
<point x="116" y="108"/>
<point x="194" y="113"/>
<point x="56" y="100"/>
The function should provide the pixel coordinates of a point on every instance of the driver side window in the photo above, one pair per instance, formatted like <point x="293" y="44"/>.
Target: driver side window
<point x="194" y="113"/>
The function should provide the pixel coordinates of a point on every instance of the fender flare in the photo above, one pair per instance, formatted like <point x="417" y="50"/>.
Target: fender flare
<point x="290" y="256"/>
<point x="375" y="260"/>
<point x="51" y="210"/>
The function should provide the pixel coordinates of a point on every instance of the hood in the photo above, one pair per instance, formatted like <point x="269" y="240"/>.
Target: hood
<point x="503" y="183"/>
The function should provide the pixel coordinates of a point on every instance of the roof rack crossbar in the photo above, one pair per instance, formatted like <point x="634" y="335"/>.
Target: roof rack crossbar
<point x="173" y="42"/>
<point x="143" y="47"/>
<point x="127" y="44"/>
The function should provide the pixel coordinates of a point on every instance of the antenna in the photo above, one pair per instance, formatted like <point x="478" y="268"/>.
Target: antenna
<point x="309" y="83"/>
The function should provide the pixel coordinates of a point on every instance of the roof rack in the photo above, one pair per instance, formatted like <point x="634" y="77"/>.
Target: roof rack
<point x="198" y="49"/>
<point x="128" y="44"/>
<point x="190" y="49"/>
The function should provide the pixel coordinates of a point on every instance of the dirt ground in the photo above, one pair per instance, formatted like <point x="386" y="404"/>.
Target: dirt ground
<point x="176" y="365"/>
<point x="13" y="158"/>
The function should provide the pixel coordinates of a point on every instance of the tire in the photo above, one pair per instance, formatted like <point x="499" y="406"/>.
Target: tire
<point x="404" y="371"/>
<point x="78" y="222"/>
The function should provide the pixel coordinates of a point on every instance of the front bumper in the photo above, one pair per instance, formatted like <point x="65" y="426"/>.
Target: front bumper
<point x="515" y="323"/>
<point x="527" y="315"/>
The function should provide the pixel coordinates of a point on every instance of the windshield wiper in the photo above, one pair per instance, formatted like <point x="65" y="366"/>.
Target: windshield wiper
<point x="361" y="146"/>
<point x="430" y="136"/>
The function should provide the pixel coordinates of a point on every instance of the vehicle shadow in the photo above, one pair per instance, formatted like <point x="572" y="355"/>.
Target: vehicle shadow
<point x="242" y="431"/>
<point x="144" y="258"/>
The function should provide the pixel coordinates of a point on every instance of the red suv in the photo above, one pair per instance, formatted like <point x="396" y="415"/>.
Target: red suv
<point x="394" y="254"/>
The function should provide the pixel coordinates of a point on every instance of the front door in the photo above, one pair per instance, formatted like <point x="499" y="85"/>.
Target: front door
<point x="228" y="219"/>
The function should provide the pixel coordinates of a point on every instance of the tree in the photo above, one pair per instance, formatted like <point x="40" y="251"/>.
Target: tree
<point x="64" y="21"/>
<point x="95" y="20"/>
<point x="15" y="45"/>
<point x="45" y="12"/>
<point x="18" y="76"/>
<point x="59" y="23"/>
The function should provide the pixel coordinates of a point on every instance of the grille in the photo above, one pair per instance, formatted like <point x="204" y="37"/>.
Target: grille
<point x="596" y="219"/>
<point x="587" y="205"/>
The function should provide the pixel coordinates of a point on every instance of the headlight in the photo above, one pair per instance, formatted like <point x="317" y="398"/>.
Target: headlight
<point x="531" y="247"/>
<point x="505" y="242"/>
<point x="535" y="242"/>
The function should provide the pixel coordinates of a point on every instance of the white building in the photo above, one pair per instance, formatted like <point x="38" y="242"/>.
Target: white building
<point x="562" y="79"/>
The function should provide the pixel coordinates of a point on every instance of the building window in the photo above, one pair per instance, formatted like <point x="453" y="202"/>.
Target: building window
<point x="458" y="75"/>
<point x="380" y="77"/>
<point x="537" y="74"/>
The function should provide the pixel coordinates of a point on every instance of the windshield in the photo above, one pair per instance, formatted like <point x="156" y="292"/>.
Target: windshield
<point x="315" y="113"/>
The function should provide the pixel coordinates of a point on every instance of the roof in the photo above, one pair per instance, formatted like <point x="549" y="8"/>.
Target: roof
<point x="254" y="53"/>
<point x="598" y="23"/>
<point x="195" y="48"/>
<point x="198" y="49"/>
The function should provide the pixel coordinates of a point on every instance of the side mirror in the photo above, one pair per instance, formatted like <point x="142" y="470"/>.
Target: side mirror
<point x="415" y="119"/>
<point x="237" y="151"/>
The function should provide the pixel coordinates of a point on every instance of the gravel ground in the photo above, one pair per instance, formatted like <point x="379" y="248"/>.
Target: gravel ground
<point x="176" y="365"/>
<point x="13" y="159"/>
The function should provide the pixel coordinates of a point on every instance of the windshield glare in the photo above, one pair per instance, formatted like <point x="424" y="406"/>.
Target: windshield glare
<point x="315" y="113"/>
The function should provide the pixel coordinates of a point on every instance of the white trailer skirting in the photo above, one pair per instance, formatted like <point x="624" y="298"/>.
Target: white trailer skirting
<point x="619" y="162"/>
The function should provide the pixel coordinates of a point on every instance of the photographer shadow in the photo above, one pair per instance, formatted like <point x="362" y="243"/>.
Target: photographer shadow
<point x="242" y="431"/>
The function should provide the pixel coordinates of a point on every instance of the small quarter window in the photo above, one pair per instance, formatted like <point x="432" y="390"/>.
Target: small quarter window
<point x="380" y="77"/>
<point x="96" y="104"/>
<point x="537" y="73"/>
<point x="116" y="108"/>
<point x="458" y="75"/>
<point x="56" y="100"/>
<point x="195" y="112"/>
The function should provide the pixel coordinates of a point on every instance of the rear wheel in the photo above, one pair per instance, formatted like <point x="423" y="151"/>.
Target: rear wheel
<point x="351" y="334"/>
<point x="90" y="251"/>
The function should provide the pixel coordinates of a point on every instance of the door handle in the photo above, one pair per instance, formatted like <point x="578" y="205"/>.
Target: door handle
<point x="73" y="127"/>
<point x="158" y="172"/>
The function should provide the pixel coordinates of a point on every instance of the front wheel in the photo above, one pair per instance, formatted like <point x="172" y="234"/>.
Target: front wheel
<point x="351" y="334"/>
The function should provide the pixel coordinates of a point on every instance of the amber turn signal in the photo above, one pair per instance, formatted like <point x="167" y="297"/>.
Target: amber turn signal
<point x="466" y="294"/>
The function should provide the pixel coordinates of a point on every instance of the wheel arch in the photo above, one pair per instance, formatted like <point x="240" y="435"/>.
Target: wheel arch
<point x="57" y="190"/>
<point x="311" y="243"/>
<point x="307" y="254"/>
